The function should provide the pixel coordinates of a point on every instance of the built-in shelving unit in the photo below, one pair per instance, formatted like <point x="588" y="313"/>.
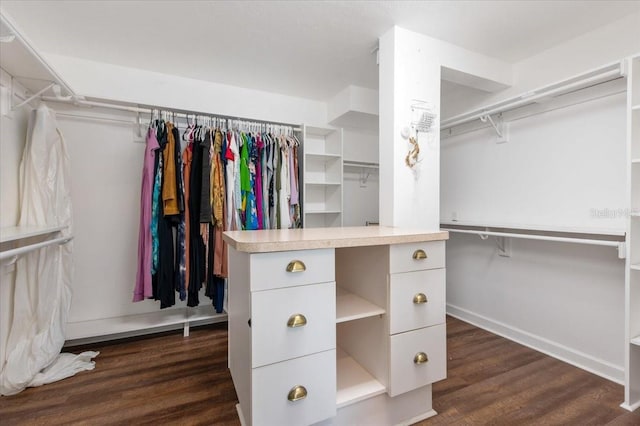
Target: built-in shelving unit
<point x="632" y="276"/>
<point x="354" y="382"/>
<point x="322" y="177"/>
<point x="350" y="307"/>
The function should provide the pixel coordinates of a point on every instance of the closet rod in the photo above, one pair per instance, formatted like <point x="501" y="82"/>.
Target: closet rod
<point x="363" y="164"/>
<point x="149" y="109"/>
<point x="538" y="237"/>
<point x="607" y="73"/>
<point x="26" y="249"/>
<point x="530" y="114"/>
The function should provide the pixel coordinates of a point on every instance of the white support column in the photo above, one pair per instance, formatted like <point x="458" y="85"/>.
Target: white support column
<point x="408" y="71"/>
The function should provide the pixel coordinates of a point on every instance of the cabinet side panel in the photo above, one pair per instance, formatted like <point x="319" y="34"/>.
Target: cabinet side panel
<point x="239" y="330"/>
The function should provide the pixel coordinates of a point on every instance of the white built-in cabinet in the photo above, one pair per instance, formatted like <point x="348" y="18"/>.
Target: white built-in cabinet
<point x="632" y="296"/>
<point x="339" y="335"/>
<point x="321" y="177"/>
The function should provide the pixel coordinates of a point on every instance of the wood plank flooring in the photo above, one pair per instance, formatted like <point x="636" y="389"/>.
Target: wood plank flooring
<point x="168" y="379"/>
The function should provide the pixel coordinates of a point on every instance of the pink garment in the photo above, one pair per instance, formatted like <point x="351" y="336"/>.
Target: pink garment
<point x="143" y="287"/>
<point x="258" y="183"/>
<point x="292" y="177"/>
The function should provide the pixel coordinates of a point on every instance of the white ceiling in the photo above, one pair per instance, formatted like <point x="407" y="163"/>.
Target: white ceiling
<point x="310" y="49"/>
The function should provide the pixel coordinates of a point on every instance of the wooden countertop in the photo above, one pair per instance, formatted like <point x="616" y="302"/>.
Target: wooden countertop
<point x="316" y="238"/>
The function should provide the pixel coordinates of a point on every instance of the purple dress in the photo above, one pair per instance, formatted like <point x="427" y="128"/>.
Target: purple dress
<point x="143" y="287"/>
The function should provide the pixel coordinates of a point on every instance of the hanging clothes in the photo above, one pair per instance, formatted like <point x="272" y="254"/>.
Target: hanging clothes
<point x="42" y="295"/>
<point x="224" y="179"/>
<point x="197" y="266"/>
<point x="187" y="155"/>
<point x="143" y="288"/>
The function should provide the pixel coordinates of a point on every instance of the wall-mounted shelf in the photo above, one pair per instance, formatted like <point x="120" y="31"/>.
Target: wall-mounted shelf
<point x="15" y="233"/>
<point x="351" y="307"/>
<point x="590" y="78"/>
<point x="325" y="155"/>
<point x="137" y="324"/>
<point x="323" y="212"/>
<point x="21" y="60"/>
<point x="533" y="227"/>
<point x="324" y="183"/>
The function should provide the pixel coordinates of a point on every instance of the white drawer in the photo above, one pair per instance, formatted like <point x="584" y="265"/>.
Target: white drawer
<point x="272" y="384"/>
<point x="408" y="257"/>
<point x="269" y="270"/>
<point x="273" y="340"/>
<point x="405" y="374"/>
<point x="408" y="292"/>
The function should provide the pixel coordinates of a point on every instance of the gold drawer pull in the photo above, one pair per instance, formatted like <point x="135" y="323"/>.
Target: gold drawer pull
<point x="297" y="393"/>
<point x="420" y="358"/>
<point x="420" y="298"/>
<point x="419" y="254"/>
<point x="297" y="320"/>
<point x="296" y="266"/>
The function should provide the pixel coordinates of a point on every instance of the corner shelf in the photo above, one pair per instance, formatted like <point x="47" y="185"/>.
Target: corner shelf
<point x="354" y="382"/>
<point x="635" y="341"/>
<point x="351" y="307"/>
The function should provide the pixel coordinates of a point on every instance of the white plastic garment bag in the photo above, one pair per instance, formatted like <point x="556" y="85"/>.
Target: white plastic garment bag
<point x="42" y="294"/>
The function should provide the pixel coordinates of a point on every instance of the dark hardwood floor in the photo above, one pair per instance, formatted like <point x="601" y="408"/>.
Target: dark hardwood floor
<point x="168" y="379"/>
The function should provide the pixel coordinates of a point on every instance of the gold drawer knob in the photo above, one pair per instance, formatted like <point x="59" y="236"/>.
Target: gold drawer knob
<point x="420" y="298"/>
<point x="420" y="358"/>
<point x="297" y="320"/>
<point x="419" y="254"/>
<point x="297" y="393"/>
<point x="296" y="266"/>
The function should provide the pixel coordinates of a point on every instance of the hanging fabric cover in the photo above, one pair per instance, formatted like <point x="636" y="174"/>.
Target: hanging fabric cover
<point x="42" y="295"/>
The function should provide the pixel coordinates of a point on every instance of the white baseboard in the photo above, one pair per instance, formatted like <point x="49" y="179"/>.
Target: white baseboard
<point x="571" y="356"/>
<point x="630" y="407"/>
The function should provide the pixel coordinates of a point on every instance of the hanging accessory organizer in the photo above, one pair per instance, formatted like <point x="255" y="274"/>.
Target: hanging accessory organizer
<point x="422" y="119"/>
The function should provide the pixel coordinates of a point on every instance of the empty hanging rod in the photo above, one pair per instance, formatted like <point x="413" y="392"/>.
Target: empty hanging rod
<point x="538" y="237"/>
<point x="26" y="249"/>
<point x="606" y="73"/>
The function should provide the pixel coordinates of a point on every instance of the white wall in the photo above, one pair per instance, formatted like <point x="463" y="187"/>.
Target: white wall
<point x="564" y="299"/>
<point x="558" y="170"/>
<point x="123" y="84"/>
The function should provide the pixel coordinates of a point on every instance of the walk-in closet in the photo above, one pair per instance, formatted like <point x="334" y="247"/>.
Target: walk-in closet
<point x="311" y="212"/>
